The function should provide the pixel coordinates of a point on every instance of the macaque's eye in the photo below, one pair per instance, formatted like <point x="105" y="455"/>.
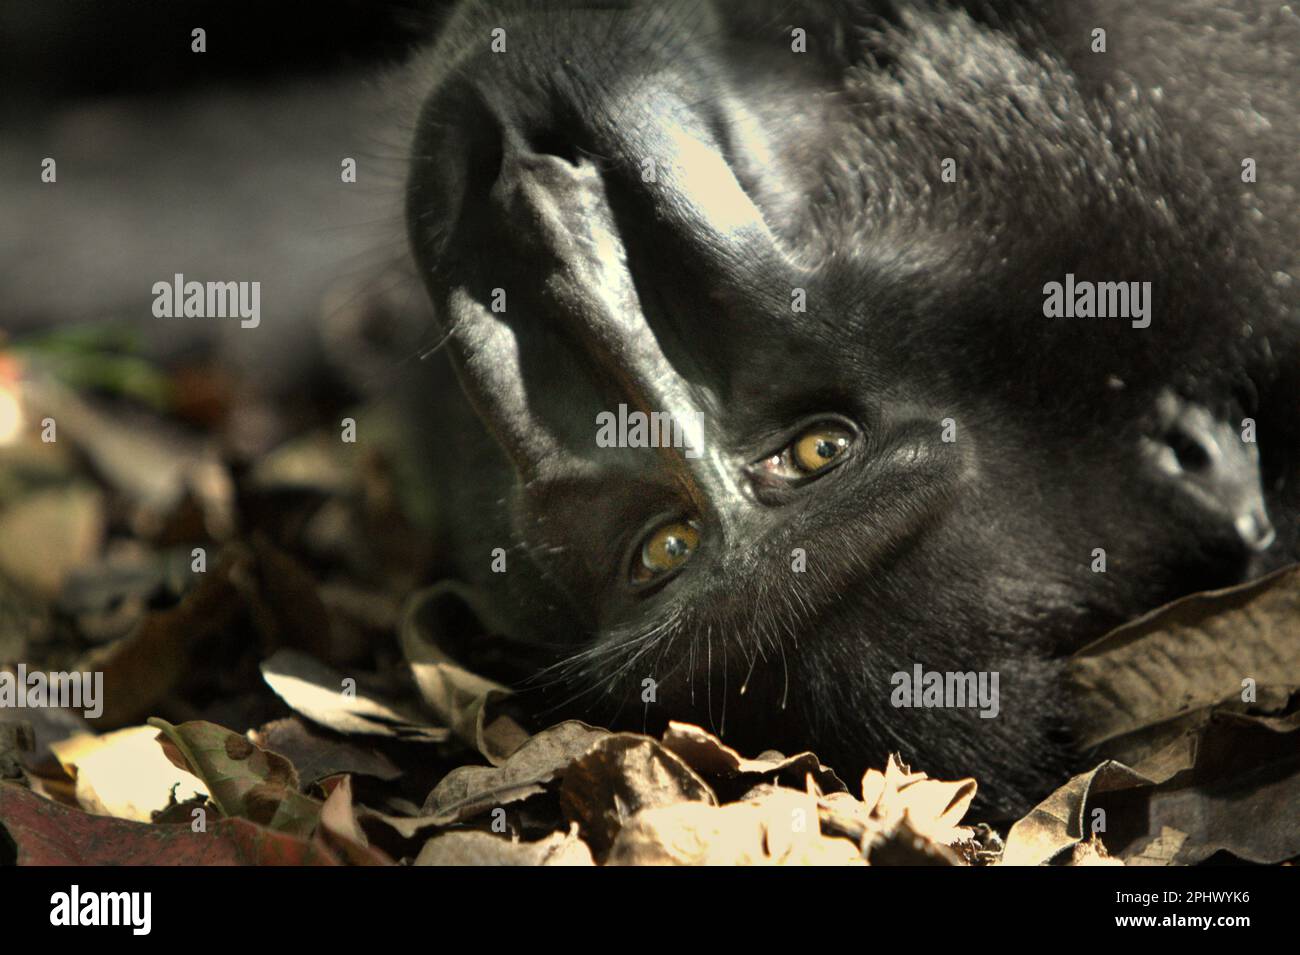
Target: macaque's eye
<point x="811" y="453"/>
<point x="664" y="550"/>
<point x="819" y="447"/>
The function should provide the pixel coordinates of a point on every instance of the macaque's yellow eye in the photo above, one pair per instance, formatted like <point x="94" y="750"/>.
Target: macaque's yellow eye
<point x="819" y="446"/>
<point x="665" y="549"/>
<point x="817" y="450"/>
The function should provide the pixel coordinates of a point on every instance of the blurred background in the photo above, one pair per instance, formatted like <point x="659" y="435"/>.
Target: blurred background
<point x="222" y="165"/>
<point x="128" y="442"/>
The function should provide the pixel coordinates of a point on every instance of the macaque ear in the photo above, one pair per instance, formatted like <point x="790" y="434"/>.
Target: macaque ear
<point x="1213" y="468"/>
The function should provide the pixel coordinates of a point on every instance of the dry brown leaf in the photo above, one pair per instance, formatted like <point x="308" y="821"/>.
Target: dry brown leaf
<point x="464" y="701"/>
<point x="340" y="830"/>
<point x="48" y="834"/>
<point x="406" y="827"/>
<point x="933" y="808"/>
<point x="469" y="790"/>
<point x="141" y="668"/>
<point x="317" y="754"/>
<point x="779" y="828"/>
<point x="1060" y="822"/>
<point x="1165" y="693"/>
<point x="242" y="779"/>
<point x="620" y="776"/>
<point x="1212" y="786"/>
<point x="1162" y="749"/>
<point x="1246" y="771"/>
<point x="1092" y="852"/>
<point x="317" y="692"/>
<point x="1162" y="850"/>
<point x="1188" y="655"/>
<point x="482" y="848"/>
<point x="900" y="844"/>
<point x="712" y="758"/>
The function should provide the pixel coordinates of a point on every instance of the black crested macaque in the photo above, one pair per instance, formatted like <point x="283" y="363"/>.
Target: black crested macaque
<point x="817" y="241"/>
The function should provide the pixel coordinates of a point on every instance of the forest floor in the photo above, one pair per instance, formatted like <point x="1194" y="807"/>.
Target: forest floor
<point x="238" y="596"/>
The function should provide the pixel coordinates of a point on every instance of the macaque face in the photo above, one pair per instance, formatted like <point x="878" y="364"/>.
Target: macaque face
<point x="773" y="396"/>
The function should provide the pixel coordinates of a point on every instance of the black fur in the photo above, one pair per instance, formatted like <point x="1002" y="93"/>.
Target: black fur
<point x="924" y="303"/>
